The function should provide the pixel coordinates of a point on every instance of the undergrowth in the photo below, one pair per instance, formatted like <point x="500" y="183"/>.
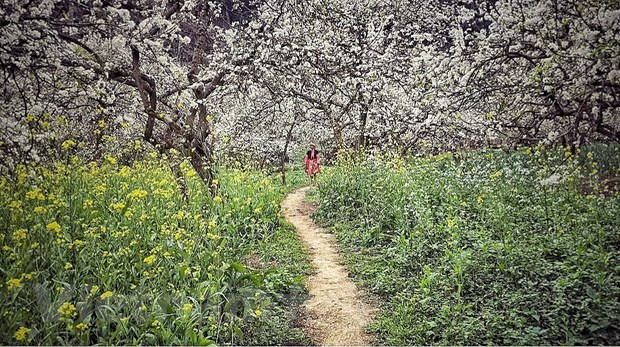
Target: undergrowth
<point x="492" y="247"/>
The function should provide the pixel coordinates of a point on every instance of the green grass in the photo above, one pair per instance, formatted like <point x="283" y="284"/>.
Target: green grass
<point x="517" y="248"/>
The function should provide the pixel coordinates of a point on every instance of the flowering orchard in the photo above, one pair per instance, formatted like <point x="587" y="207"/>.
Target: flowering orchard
<point x="128" y="127"/>
<point x="209" y="78"/>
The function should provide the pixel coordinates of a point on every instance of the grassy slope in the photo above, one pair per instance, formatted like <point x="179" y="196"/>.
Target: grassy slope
<point x="112" y="254"/>
<point x="485" y="250"/>
<point x="289" y="262"/>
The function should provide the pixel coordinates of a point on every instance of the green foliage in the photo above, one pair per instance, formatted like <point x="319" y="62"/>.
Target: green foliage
<point x="110" y="254"/>
<point x="516" y="248"/>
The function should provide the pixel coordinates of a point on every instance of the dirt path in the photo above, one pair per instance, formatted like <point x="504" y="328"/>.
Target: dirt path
<point x="336" y="312"/>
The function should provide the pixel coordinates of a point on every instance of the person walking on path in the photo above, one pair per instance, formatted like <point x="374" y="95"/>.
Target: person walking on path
<point x="311" y="162"/>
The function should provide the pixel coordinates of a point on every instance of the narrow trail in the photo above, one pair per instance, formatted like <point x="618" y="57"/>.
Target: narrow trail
<point x="337" y="311"/>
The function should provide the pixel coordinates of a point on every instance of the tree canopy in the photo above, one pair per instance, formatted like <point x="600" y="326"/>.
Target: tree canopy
<point x="232" y="78"/>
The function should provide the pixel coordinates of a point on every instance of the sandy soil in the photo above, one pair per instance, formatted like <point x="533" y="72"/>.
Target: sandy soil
<point x="337" y="311"/>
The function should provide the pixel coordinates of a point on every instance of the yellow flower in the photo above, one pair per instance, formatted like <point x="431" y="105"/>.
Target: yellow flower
<point x="213" y="236"/>
<point x="111" y="160"/>
<point x="258" y="312"/>
<point x="117" y="206"/>
<point x="106" y="295"/>
<point x="81" y="326"/>
<point x="150" y="259"/>
<point x="217" y="199"/>
<point x="13" y="283"/>
<point x="88" y="203"/>
<point x="137" y="194"/>
<point x="20" y="234"/>
<point x="496" y="175"/>
<point x="67" y="309"/>
<point x="15" y="205"/>
<point x="100" y="188"/>
<point x="102" y="123"/>
<point x="211" y="224"/>
<point x="479" y="199"/>
<point x="94" y="290"/>
<point x="35" y="194"/>
<point x="68" y="266"/>
<point x="178" y="235"/>
<point x="21" y="333"/>
<point x="187" y="308"/>
<point x="124" y="171"/>
<point x="39" y="209"/>
<point x="68" y="144"/>
<point x="54" y="226"/>
<point x="451" y="223"/>
<point x="34" y="245"/>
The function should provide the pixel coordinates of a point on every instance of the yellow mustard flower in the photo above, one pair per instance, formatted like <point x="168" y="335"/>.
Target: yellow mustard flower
<point x="111" y="160"/>
<point x="13" y="283"/>
<point x="15" y="205"/>
<point x="39" y="209"/>
<point x="68" y="266"/>
<point x="68" y="144"/>
<point x="35" y="194"/>
<point x="187" y="308"/>
<point x="20" y="234"/>
<point x="21" y="333"/>
<point x="117" y="206"/>
<point x="150" y="259"/>
<point x="451" y="223"/>
<point x="67" y="309"/>
<point x="106" y="295"/>
<point x="81" y="326"/>
<point x="53" y="226"/>
<point x="137" y="194"/>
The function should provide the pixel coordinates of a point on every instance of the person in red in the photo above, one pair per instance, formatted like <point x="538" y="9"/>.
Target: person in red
<point x="311" y="162"/>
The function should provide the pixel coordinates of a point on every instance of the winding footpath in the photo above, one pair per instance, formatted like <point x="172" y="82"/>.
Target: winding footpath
<point x="337" y="312"/>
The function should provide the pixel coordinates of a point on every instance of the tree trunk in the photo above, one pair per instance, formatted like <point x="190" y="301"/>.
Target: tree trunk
<point x="289" y="134"/>
<point x="180" y="178"/>
<point x="363" y="118"/>
<point x="198" y="160"/>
